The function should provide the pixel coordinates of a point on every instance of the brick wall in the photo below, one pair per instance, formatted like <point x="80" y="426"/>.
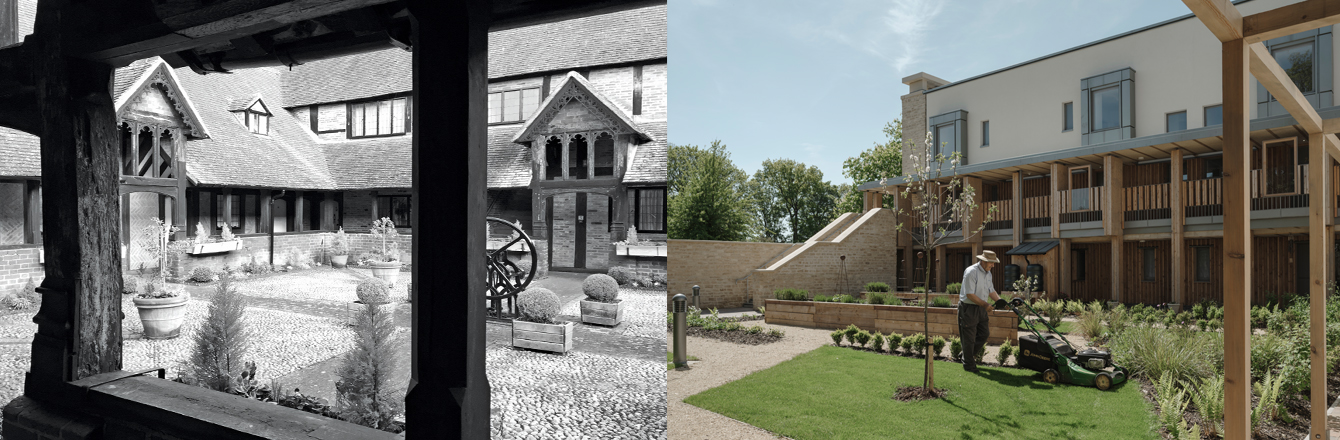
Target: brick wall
<point x="17" y="265"/>
<point x="655" y="91"/>
<point x="598" y="248"/>
<point x="914" y="118"/>
<point x="642" y="266"/>
<point x="714" y="266"/>
<point x="358" y="207"/>
<point x="871" y="256"/>
<point x="564" y="228"/>
<point x="309" y="246"/>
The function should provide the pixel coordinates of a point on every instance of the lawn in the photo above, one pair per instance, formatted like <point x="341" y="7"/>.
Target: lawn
<point x="833" y="393"/>
<point x="670" y="359"/>
<point x="1066" y="327"/>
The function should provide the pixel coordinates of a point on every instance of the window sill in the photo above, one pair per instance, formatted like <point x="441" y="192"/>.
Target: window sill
<point x="1067" y="131"/>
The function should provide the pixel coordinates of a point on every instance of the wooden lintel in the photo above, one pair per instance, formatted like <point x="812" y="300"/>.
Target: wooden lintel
<point x="1220" y="16"/>
<point x="1289" y="20"/>
<point x="1272" y="76"/>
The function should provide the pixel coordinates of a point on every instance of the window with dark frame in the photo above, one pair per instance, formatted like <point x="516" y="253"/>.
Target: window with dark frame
<point x="649" y="209"/>
<point x="1079" y="261"/>
<point x="513" y="105"/>
<point x="1149" y="269"/>
<point x="1214" y="115"/>
<point x="1203" y="264"/>
<point x="553" y="158"/>
<point x="577" y="159"/>
<point x="1068" y="111"/>
<point x="1105" y="106"/>
<point x="257" y="118"/>
<point x="1176" y="121"/>
<point x="986" y="133"/>
<point x="604" y="152"/>
<point x="395" y="207"/>
<point x="381" y="117"/>
<point x="1297" y="61"/>
<point x="1280" y="166"/>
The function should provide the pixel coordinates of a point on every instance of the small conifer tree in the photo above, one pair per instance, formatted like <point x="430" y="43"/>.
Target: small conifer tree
<point x="363" y="391"/>
<point x="221" y="342"/>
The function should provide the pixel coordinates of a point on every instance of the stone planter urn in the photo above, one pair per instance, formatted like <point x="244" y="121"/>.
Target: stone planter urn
<point x="595" y="312"/>
<point x="555" y="338"/>
<point x="162" y="317"/>
<point x="388" y="271"/>
<point x="339" y="261"/>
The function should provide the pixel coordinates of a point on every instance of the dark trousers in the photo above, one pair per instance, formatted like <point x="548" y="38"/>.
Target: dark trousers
<point x="973" y="329"/>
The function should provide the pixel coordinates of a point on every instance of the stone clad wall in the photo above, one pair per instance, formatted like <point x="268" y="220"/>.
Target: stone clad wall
<point x="715" y="266"/>
<point x="868" y="243"/>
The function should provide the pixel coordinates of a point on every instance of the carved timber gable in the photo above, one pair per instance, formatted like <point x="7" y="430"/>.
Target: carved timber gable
<point x="145" y="100"/>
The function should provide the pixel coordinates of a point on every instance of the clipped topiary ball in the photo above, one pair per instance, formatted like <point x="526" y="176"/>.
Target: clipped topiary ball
<point x="601" y="288"/>
<point x="374" y="292"/>
<point x="202" y="274"/>
<point x="537" y="305"/>
<point x="622" y="275"/>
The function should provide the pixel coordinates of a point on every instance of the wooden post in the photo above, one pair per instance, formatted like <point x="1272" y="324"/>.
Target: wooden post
<point x="79" y="324"/>
<point x="1117" y="243"/>
<point x="1237" y="243"/>
<point x="1114" y="217"/>
<point x="1319" y="209"/>
<point x="1178" y="236"/>
<point x="179" y="202"/>
<point x="299" y="214"/>
<point x="226" y="214"/>
<point x="267" y="216"/>
<point x="1063" y="268"/>
<point x="448" y="393"/>
<point x="32" y="210"/>
<point x="1018" y="197"/>
<point x="975" y="216"/>
<point x="1060" y="182"/>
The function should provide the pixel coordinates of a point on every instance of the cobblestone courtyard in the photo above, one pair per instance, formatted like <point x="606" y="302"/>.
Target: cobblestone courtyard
<point x="611" y="386"/>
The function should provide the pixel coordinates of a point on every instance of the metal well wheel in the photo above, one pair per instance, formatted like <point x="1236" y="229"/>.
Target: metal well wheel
<point x="506" y="278"/>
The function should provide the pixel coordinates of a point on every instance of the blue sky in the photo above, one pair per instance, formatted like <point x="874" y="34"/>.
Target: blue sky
<point x="815" y="81"/>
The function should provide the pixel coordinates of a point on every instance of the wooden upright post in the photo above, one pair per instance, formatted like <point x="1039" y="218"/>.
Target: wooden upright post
<point x="1060" y="182"/>
<point x="1237" y="243"/>
<point x="1319" y="209"/>
<point x="1063" y="265"/>
<point x="79" y="324"/>
<point x="1114" y="218"/>
<point x="448" y="390"/>
<point x="299" y="214"/>
<point x="1018" y="202"/>
<point x="1178" y="236"/>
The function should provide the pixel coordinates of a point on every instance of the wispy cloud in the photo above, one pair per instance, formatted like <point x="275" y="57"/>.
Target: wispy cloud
<point x="910" y="21"/>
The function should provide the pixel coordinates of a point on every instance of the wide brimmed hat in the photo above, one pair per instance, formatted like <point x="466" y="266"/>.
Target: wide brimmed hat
<point x="988" y="256"/>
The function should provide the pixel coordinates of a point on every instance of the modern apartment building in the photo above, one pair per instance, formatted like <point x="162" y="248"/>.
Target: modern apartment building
<point x="1103" y="162"/>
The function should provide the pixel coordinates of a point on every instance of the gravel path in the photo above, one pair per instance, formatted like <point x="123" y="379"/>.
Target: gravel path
<point x="13" y="365"/>
<point x="18" y="326"/>
<point x="322" y="283"/>
<point x="577" y="395"/>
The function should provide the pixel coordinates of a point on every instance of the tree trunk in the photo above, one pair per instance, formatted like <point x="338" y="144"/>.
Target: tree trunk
<point x="928" y="383"/>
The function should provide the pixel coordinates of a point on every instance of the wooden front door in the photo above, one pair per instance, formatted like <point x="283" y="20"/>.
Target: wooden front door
<point x="579" y="236"/>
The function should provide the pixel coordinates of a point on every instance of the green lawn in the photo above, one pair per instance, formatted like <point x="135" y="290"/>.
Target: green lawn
<point x="840" y="393"/>
<point x="670" y="360"/>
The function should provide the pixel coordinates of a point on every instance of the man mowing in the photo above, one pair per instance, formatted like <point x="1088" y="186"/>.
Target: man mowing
<point x="973" y="310"/>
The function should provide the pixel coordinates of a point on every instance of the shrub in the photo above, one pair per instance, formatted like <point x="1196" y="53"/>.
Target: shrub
<point x="837" y="337"/>
<point x="1072" y="307"/>
<point x="822" y="298"/>
<point x="1117" y="319"/>
<point x="981" y="353"/>
<point x="1091" y="324"/>
<point x="937" y="346"/>
<point x="1006" y="350"/>
<point x="202" y="274"/>
<point x="940" y="301"/>
<point x="1151" y="352"/>
<point x="874" y="298"/>
<point x="538" y="304"/>
<point x="915" y="342"/>
<point x="29" y="292"/>
<point x="845" y="298"/>
<point x="221" y="343"/>
<point x="793" y="295"/>
<point x="877" y="342"/>
<point x="893" y="301"/>
<point x="919" y="289"/>
<point x="895" y="341"/>
<point x="364" y="393"/>
<point x="130" y="285"/>
<point x="16" y="303"/>
<point x="1054" y="310"/>
<point x="373" y="291"/>
<point x="600" y="287"/>
<point x="909" y="342"/>
<point x="851" y="332"/>
<point x="953" y="288"/>
<point x="1172" y="402"/>
<point x="1209" y="399"/>
<point x="877" y="287"/>
<point x="659" y="278"/>
<point x="622" y="275"/>
<point x="862" y="338"/>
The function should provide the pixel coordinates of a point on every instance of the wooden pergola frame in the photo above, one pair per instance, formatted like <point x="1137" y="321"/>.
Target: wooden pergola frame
<point x="1245" y="54"/>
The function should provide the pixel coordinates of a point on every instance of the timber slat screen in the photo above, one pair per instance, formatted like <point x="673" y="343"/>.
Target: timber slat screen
<point x="1004" y="216"/>
<point x="1288" y="192"/>
<point x="1204" y="197"/>
<point x="1147" y="202"/>
<point x="1037" y="212"/>
<point x="1090" y="213"/>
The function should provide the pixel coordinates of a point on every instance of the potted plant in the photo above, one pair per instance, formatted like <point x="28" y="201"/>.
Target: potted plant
<point x="386" y="264"/>
<point x="602" y="304"/>
<point x="204" y="244"/>
<point x="339" y="250"/>
<point x="535" y="327"/>
<point x="162" y="309"/>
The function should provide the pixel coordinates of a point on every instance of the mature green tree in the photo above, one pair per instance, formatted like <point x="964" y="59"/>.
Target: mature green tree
<point x="708" y="195"/>
<point x="884" y="160"/>
<point x="793" y="198"/>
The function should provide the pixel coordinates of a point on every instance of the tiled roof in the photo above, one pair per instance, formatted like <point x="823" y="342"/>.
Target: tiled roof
<point x="27" y="17"/>
<point x="370" y="163"/>
<point x="286" y="158"/>
<point x="509" y="163"/>
<point x="619" y="37"/>
<point x="650" y="161"/>
<point x="125" y="77"/>
<point x="21" y="153"/>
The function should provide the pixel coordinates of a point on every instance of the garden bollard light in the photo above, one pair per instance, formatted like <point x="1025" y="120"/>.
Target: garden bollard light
<point x="695" y="298"/>
<point x="681" y="341"/>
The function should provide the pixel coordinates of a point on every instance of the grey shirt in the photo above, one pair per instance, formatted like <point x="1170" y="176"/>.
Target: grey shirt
<point x="976" y="281"/>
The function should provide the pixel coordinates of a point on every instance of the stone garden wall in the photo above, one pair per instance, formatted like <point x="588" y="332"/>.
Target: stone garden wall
<point x="715" y="266"/>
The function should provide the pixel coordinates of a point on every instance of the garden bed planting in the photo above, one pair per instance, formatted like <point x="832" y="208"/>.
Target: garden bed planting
<point x="725" y="329"/>
<point x="884" y="318"/>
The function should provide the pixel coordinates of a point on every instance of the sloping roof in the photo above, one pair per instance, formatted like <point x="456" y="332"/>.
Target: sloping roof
<point x="1034" y="248"/>
<point x="22" y="153"/>
<point x="124" y="77"/>
<point x="509" y="163"/>
<point x="614" y="38"/>
<point x="27" y="17"/>
<point x="370" y="163"/>
<point x="287" y="157"/>
<point x="572" y="85"/>
<point x="649" y="164"/>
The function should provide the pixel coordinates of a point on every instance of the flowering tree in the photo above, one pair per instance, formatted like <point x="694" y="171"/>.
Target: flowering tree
<point x="384" y="229"/>
<point x="941" y="205"/>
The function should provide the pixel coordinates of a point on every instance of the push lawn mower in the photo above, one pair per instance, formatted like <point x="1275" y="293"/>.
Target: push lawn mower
<point x="1057" y="359"/>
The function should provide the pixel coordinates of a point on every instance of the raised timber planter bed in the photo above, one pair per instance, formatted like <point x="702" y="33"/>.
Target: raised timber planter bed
<point x="595" y="312"/>
<point x="906" y="320"/>
<point x="214" y="248"/>
<point x="556" y="338"/>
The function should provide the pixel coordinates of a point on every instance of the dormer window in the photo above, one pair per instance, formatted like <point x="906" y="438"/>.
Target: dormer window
<point x="256" y="118"/>
<point x="381" y="117"/>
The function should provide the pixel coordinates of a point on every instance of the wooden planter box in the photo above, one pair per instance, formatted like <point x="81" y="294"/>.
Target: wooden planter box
<point x="953" y="297"/>
<point x="905" y="320"/>
<point x="214" y="248"/>
<point x="641" y="250"/>
<point x="594" y="312"/>
<point x="556" y="338"/>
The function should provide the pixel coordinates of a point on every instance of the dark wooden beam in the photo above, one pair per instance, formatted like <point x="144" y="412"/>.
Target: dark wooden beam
<point x="448" y="394"/>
